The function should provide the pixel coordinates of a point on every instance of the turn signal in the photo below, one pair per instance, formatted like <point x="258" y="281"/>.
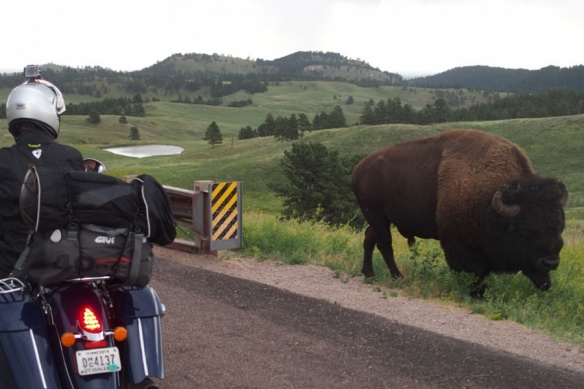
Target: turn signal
<point x="120" y="334"/>
<point x="67" y="339"/>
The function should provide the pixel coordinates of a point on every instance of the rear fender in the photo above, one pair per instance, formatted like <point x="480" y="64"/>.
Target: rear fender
<point x="66" y="301"/>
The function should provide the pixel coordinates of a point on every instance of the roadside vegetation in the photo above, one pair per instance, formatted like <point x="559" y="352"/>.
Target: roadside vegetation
<point x="554" y="145"/>
<point x="559" y="312"/>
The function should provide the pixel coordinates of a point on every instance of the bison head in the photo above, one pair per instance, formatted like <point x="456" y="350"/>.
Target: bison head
<point x="524" y="226"/>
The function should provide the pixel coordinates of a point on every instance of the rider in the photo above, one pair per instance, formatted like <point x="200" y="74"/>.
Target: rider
<point x="33" y="111"/>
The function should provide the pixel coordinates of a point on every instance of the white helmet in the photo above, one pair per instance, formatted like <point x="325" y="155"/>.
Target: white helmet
<point x="36" y="101"/>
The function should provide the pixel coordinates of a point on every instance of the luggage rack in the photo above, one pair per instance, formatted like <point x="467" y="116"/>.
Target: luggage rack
<point x="89" y="279"/>
<point x="11" y="285"/>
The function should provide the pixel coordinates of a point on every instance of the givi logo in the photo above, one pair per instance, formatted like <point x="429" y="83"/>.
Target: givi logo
<point x="105" y="239"/>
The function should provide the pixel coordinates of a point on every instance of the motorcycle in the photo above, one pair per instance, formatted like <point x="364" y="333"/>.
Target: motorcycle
<point x="79" y="334"/>
<point x="87" y="332"/>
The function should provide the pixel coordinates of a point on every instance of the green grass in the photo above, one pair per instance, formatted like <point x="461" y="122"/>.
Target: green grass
<point x="554" y="146"/>
<point x="281" y="99"/>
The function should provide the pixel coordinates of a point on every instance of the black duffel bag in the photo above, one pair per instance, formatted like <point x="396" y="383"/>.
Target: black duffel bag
<point x="56" y="255"/>
<point x="52" y="199"/>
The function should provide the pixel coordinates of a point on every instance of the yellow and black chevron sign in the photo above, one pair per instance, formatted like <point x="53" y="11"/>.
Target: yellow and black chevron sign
<point x="224" y="211"/>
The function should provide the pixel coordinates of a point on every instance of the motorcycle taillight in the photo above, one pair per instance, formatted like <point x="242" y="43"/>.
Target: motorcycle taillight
<point x="89" y="321"/>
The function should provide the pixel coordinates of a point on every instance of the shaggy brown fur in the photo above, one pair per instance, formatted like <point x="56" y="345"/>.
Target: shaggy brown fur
<point x="442" y="187"/>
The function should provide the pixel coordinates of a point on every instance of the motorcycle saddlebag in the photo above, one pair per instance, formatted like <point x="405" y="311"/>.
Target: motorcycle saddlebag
<point x="83" y="251"/>
<point x="25" y="357"/>
<point x="140" y="310"/>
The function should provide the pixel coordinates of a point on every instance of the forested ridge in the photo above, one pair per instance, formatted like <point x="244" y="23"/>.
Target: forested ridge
<point x="506" y="80"/>
<point x="216" y="75"/>
<point x="220" y="75"/>
<point x="206" y="79"/>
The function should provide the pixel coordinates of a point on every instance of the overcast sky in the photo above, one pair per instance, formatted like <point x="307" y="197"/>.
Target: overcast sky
<point x="410" y="37"/>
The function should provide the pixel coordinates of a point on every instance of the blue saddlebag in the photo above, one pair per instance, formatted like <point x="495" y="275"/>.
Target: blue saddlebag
<point x="28" y="362"/>
<point x="140" y="310"/>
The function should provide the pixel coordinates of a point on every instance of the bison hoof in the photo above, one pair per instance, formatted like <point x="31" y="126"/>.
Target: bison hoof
<point x="368" y="273"/>
<point x="478" y="292"/>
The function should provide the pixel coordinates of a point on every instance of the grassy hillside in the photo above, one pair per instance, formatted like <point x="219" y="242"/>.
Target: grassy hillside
<point x="553" y="144"/>
<point x="309" y="97"/>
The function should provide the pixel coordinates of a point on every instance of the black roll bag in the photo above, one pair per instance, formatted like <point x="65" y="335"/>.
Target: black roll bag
<point x="89" y="251"/>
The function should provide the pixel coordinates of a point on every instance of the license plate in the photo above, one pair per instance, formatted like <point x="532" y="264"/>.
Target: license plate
<point x="99" y="360"/>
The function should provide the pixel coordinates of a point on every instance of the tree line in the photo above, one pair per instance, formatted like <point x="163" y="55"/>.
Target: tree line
<point x="110" y="106"/>
<point x="506" y="80"/>
<point x="523" y="105"/>
<point x="295" y="126"/>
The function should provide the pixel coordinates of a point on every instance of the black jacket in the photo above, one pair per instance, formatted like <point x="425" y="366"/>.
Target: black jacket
<point x="35" y="147"/>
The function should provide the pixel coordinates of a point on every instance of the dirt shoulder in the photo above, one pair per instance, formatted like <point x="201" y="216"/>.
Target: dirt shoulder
<point x="352" y="292"/>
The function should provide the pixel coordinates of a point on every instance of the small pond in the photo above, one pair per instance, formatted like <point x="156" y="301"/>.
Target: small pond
<point x="146" y="150"/>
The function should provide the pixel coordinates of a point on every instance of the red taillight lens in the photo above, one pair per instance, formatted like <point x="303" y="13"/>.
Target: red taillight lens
<point x="99" y="344"/>
<point x="89" y="320"/>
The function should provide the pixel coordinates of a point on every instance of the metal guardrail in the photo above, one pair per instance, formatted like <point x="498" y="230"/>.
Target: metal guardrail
<point x="181" y="201"/>
<point x="211" y="214"/>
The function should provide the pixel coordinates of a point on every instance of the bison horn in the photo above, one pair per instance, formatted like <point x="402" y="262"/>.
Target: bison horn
<point x="501" y="208"/>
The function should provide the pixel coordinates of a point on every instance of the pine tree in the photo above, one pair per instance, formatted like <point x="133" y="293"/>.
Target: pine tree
<point x="213" y="134"/>
<point x="134" y="133"/>
<point x="318" y="184"/>
<point x="94" y="117"/>
<point x="337" y="118"/>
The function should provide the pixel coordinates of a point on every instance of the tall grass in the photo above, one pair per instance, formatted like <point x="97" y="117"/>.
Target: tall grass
<point x="299" y="242"/>
<point x="559" y="312"/>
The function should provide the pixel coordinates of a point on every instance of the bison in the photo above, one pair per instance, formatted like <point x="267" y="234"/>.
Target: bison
<point x="475" y="192"/>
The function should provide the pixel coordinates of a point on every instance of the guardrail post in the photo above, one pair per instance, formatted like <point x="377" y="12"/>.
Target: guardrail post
<point x="202" y="217"/>
<point x="226" y="216"/>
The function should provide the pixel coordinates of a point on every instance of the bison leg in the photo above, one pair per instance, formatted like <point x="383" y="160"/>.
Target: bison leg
<point x="478" y="289"/>
<point x="382" y="235"/>
<point x="465" y="259"/>
<point x="368" y="247"/>
<point x="411" y="242"/>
